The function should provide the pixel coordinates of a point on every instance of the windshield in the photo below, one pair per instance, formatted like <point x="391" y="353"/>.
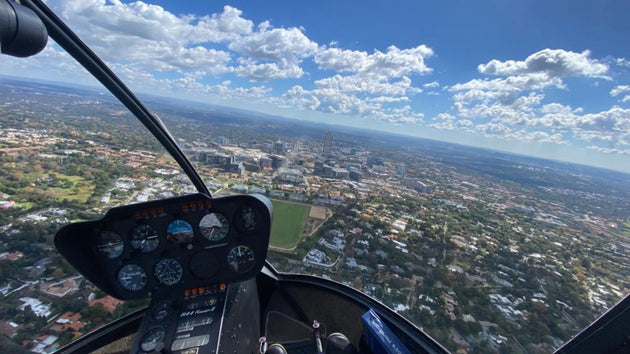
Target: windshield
<point x="466" y="164"/>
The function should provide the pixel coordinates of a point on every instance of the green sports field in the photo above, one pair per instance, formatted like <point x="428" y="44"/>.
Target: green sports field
<point x="287" y="223"/>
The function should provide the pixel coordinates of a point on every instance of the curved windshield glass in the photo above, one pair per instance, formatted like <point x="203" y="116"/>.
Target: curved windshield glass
<point x="68" y="153"/>
<point x="466" y="165"/>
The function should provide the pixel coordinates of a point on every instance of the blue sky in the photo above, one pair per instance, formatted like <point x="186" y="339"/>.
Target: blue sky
<point x="549" y="79"/>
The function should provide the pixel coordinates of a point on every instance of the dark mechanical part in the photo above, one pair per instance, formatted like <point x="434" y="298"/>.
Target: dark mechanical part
<point x="153" y="340"/>
<point x="169" y="271"/>
<point x="180" y="232"/>
<point x="132" y="277"/>
<point x="145" y="238"/>
<point x="214" y="226"/>
<point x="22" y="33"/>
<point x="276" y="349"/>
<point x="241" y="259"/>
<point x="204" y="265"/>
<point x="109" y="244"/>
<point x="338" y="343"/>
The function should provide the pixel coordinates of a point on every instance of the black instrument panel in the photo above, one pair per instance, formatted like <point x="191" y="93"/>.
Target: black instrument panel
<point x="170" y="245"/>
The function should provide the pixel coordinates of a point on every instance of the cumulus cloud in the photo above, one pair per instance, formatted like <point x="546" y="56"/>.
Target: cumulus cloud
<point x="622" y="62"/>
<point x="151" y="47"/>
<point x="374" y="85"/>
<point x="554" y="62"/>
<point x="619" y="90"/>
<point x="332" y="100"/>
<point x="513" y="106"/>
<point x="433" y="84"/>
<point x="394" y="62"/>
<point x="281" y="51"/>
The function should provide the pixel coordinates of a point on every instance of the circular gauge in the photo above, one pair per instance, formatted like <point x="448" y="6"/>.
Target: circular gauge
<point x="110" y="244"/>
<point x="180" y="231"/>
<point x="145" y="238"/>
<point x="132" y="277"/>
<point x="153" y="339"/>
<point x="246" y="220"/>
<point x="241" y="259"/>
<point x="214" y="226"/>
<point x="168" y="271"/>
<point x="161" y="311"/>
<point x="204" y="265"/>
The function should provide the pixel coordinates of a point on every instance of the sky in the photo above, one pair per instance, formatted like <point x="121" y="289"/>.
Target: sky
<point x="543" y="78"/>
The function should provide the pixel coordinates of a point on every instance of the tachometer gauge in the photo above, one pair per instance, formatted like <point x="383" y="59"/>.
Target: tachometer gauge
<point x="153" y="339"/>
<point x="241" y="259"/>
<point x="169" y="271"/>
<point x="132" y="277"/>
<point x="145" y="238"/>
<point x="110" y="244"/>
<point x="180" y="231"/>
<point x="214" y="226"/>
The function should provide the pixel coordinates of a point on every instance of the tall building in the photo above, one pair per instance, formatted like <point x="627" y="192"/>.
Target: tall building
<point x="296" y="146"/>
<point x="278" y="148"/>
<point x="401" y="171"/>
<point x="327" y="143"/>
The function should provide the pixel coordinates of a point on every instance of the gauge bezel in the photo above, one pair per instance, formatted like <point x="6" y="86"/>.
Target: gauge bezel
<point x="238" y="270"/>
<point x="122" y="284"/>
<point x="225" y="224"/>
<point x="168" y="282"/>
<point x="163" y="335"/>
<point x="139" y="248"/>
<point x="178" y="240"/>
<point x="99" y="238"/>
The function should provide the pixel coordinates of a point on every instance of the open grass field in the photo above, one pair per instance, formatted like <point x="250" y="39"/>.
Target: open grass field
<point x="287" y="223"/>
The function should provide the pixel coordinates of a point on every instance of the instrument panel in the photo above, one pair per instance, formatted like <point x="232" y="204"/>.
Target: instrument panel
<point x="170" y="245"/>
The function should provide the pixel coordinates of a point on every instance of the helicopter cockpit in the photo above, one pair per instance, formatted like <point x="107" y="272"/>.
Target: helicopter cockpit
<point x="198" y="268"/>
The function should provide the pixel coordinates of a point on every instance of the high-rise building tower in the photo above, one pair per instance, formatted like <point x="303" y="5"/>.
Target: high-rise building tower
<point x="401" y="170"/>
<point x="327" y="143"/>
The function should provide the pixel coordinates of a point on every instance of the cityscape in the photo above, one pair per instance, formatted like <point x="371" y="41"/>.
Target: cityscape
<point x="485" y="251"/>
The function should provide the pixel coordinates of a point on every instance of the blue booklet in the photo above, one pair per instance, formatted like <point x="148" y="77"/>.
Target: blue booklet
<point x="379" y="338"/>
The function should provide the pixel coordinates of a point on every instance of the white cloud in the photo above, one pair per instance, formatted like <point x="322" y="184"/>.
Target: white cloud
<point x="622" y="62"/>
<point x="368" y="83"/>
<point x="432" y="84"/>
<point x="333" y="100"/>
<point x="280" y="50"/>
<point x="554" y="62"/>
<point x="609" y="150"/>
<point x="267" y="71"/>
<point x="514" y="108"/>
<point x="394" y="62"/>
<point x="619" y="89"/>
